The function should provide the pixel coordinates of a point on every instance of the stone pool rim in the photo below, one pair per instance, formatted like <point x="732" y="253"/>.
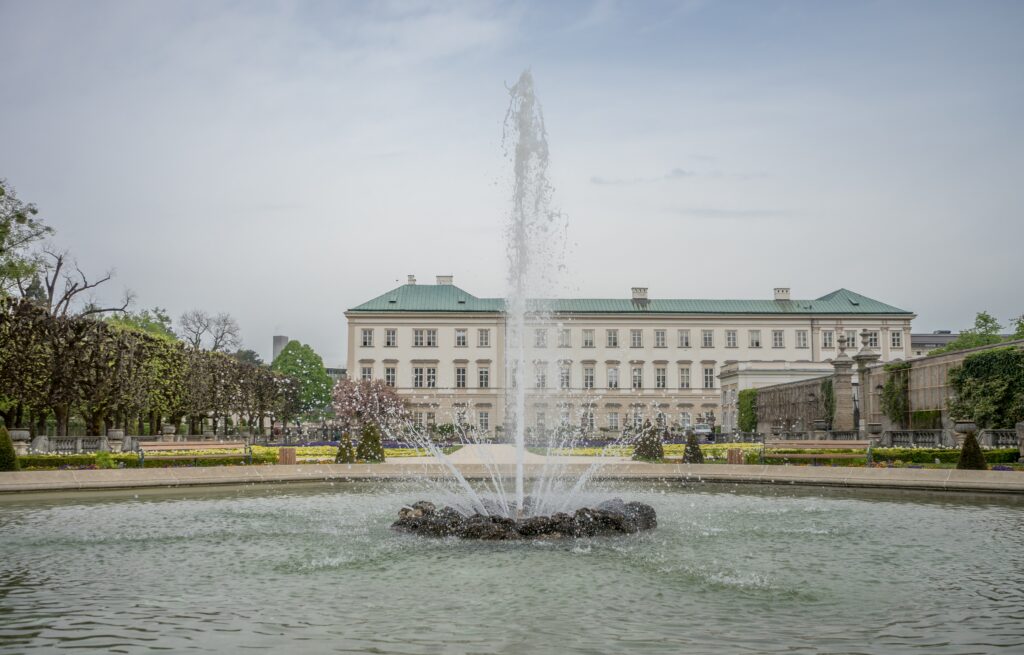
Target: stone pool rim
<point x="1000" y="482"/>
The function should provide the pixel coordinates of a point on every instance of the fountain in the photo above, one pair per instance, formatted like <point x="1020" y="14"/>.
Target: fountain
<point x="535" y="245"/>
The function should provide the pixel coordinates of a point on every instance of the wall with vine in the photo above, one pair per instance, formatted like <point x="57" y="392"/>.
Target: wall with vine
<point x="989" y="388"/>
<point x="896" y="393"/>
<point x="746" y="418"/>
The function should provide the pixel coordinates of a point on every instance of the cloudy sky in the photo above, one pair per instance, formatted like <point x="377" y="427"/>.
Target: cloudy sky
<point x="283" y="161"/>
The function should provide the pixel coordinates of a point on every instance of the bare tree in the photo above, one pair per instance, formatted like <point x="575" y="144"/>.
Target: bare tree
<point x="194" y="326"/>
<point x="62" y="288"/>
<point x="225" y="333"/>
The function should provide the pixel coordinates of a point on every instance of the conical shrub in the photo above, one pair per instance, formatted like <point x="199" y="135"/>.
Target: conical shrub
<point x="971" y="457"/>
<point x="370" y="448"/>
<point x="648" y="444"/>
<point x="692" y="454"/>
<point x="346" y="451"/>
<point x="8" y="458"/>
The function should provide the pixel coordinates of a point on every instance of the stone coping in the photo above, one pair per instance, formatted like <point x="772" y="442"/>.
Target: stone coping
<point x="1010" y="482"/>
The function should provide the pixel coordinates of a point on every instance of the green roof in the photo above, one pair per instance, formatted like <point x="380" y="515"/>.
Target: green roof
<point x="450" y="298"/>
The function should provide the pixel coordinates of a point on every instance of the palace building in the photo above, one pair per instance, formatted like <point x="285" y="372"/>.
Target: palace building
<point x="604" y="362"/>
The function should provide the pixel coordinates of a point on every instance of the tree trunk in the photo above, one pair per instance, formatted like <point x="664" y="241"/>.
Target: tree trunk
<point x="60" y="413"/>
<point x="142" y="426"/>
<point x="19" y="417"/>
<point x="152" y="424"/>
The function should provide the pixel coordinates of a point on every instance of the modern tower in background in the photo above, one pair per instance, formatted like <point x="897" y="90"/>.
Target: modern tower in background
<point x="280" y="341"/>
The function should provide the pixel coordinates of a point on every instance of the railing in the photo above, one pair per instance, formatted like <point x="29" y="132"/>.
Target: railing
<point x="998" y="439"/>
<point x="917" y="439"/>
<point x="76" y="445"/>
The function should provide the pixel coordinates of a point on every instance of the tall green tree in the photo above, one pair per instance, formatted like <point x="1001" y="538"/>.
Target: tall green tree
<point x="19" y="229"/>
<point x="984" y="333"/>
<point x="301" y="363"/>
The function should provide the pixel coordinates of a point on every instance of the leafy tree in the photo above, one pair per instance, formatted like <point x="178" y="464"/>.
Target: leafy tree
<point x="370" y="448"/>
<point x="19" y="229"/>
<point x="984" y="333"/>
<point x="1018" y="328"/>
<point x="154" y="321"/>
<point x="648" y="446"/>
<point x="248" y="357"/>
<point x="368" y="401"/>
<point x="8" y="458"/>
<point x="971" y="457"/>
<point x="747" y="410"/>
<point x="301" y="363"/>
<point x="989" y="388"/>
<point x="346" y="451"/>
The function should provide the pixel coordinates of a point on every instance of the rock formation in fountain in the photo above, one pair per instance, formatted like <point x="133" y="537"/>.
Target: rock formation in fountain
<point x="608" y="518"/>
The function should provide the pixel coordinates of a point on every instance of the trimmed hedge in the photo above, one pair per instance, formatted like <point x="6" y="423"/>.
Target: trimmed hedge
<point x="8" y="458"/>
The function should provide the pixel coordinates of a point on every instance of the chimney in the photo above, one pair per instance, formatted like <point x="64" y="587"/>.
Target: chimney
<point x="782" y="293"/>
<point x="445" y="279"/>
<point x="639" y="293"/>
<point x="412" y="279"/>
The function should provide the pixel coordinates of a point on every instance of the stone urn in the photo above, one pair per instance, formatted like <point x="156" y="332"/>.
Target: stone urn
<point x="963" y="427"/>
<point x="820" y="424"/>
<point x="115" y="439"/>
<point x="874" y="428"/>
<point x="21" y="438"/>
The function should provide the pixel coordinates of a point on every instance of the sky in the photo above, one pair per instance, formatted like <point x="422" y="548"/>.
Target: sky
<point x="285" y="161"/>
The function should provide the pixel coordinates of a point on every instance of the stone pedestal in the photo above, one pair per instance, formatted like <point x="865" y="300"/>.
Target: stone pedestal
<point x="1020" y="439"/>
<point x="842" y="390"/>
<point x="115" y="440"/>
<point x="21" y="439"/>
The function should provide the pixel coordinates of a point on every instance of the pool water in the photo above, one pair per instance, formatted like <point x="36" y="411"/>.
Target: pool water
<point x="316" y="568"/>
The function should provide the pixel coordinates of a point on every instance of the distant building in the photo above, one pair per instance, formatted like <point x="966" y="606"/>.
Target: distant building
<point x="613" y="361"/>
<point x="337" y="374"/>
<point x="280" y="341"/>
<point x="922" y="344"/>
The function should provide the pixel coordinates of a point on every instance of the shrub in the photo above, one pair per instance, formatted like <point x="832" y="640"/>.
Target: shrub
<point x="346" y="451"/>
<point x="693" y="454"/>
<point x="747" y="402"/>
<point x="8" y="458"/>
<point x="971" y="457"/>
<point x="648" y="444"/>
<point x="370" y="448"/>
<point x="105" y="460"/>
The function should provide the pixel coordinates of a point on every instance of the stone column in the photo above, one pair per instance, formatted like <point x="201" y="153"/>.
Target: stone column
<point x="864" y="359"/>
<point x="1020" y="439"/>
<point x="842" y="389"/>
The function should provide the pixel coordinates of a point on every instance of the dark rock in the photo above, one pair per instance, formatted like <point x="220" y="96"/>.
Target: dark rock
<point x="610" y="517"/>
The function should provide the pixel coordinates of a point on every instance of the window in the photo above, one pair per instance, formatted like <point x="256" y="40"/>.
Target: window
<point x="461" y="337"/>
<point x="541" y="421"/>
<point x="872" y="339"/>
<point x="541" y="373"/>
<point x="417" y="419"/>
<point x="390" y="376"/>
<point x="483" y="421"/>
<point x="684" y="378"/>
<point x="431" y="419"/>
<point x="638" y="418"/>
<point x="588" y="338"/>
<point x="483" y="338"/>
<point x="366" y="373"/>
<point x="730" y="338"/>
<point x="778" y="339"/>
<point x="709" y="377"/>
<point x="417" y="377"/>
<point x="638" y="377"/>
<point x="565" y="338"/>
<point x="613" y="421"/>
<point x="484" y="378"/>
<point x="564" y="376"/>
<point x="460" y="377"/>
<point x="801" y="338"/>
<point x="613" y="377"/>
<point x="755" y="338"/>
<point x="367" y="337"/>
<point x="432" y="338"/>
<point x="391" y="337"/>
<point x="851" y="338"/>
<point x="540" y="338"/>
<point x="587" y="421"/>
<point x="684" y="338"/>
<point x="659" y="419"/>
<point x="828" y="339"/>
<point x="613" y="338"/>
<point x="707" y="339"/>
<point x="431" y="378"/>
<point x="684" y="419"/>
<point x="896" y="339"/>
<point x="659" y="338"/>
<point x="424" y="338"/>
<point x="588" y="377"/>
<point x="636" y="338"/>
<point x="660" y="378"/>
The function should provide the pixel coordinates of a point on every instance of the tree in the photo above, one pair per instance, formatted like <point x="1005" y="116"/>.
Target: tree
<point x="248" y="357"/>
<point x="19" y="229"/>
<point x="301" y="363"/>
<point x="370" y="448"/>
<point x="220" y="331"/>
<point x="989" y="387"/>
<point x="224" y="333"/>
<point x="154" y="321"/>
<point x="59" y="290"/>
<point x="648" y="445"/>
<point x="971" y="457"/>
<point x="747" y="410"/>
<point x="1018" y="328"/>
<point x="346" y="451"/>
<point x="368" y="401"/>
<point x="8" y="458"/>
<point x="692" y="454"/>
<point x="984" y="333"/>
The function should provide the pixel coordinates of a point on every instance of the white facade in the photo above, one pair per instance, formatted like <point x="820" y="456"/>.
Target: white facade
<point x="664" y="363"/>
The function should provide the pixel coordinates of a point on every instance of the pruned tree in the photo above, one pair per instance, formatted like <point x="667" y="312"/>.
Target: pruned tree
<point x="368" y="401"/>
